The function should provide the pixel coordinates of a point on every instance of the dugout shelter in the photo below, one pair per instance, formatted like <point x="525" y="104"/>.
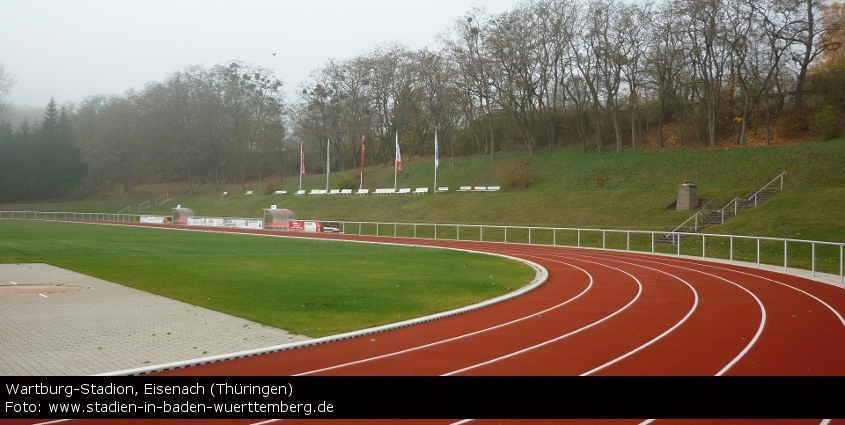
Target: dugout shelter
<point x="278" y="218"/>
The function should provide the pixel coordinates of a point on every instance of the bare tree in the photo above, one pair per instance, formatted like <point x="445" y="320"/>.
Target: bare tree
<point x="7" y="81"/>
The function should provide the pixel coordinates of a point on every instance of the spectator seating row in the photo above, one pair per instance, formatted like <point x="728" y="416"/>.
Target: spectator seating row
<point x="386" y="191"/>
<point x="479" y="188"/>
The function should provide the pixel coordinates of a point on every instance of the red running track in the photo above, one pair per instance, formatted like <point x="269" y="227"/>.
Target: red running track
<point x="599" y="313"/>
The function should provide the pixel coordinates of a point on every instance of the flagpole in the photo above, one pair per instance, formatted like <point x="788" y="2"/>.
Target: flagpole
<point x="436" y="160"/>
<point x="328" y="165"/>
<point x="301" y="165"/>
<point x="396" y="164"/>
<point x="362" y="162"/>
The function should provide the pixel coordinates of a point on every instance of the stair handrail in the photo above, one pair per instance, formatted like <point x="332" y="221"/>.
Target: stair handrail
<point x="675" y="234"/>
<point x="166" y="197"/>
<point x="736" y="208"/>
<point x="754" y="196"/>
<point x="128" y="209"/>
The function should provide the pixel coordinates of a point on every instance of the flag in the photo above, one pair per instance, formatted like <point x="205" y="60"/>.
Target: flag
<point x="436" y="152"/>
<point x="398" y="155"/>
<point x="301" y="161"/>
<point x="362" y="155"/>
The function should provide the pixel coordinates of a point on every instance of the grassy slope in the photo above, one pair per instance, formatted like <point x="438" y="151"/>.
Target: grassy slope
<point x="567" y="191"/>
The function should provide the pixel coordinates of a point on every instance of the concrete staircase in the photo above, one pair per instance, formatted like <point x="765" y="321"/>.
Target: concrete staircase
<point x="708" y="217"/>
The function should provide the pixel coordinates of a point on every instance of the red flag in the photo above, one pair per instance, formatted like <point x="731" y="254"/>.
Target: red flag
<point x="301" y="161"/>
<point x="398" y="155"/>
<point x="362" y="155"/>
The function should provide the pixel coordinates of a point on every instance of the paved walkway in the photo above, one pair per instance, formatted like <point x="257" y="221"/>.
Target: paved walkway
<point x="106" y="327"/>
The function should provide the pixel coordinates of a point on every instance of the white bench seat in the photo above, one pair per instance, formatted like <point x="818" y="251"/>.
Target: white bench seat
<point x="420" y="191"/>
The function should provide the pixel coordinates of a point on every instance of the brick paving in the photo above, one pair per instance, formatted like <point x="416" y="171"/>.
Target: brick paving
<point x="106" y="327"/>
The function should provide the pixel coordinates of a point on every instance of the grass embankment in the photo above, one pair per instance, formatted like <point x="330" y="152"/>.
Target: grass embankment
<point x="595" y="190"/>
<point x="310" y="287"/>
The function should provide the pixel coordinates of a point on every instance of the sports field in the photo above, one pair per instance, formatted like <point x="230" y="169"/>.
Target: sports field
<point x="309" y="287"/>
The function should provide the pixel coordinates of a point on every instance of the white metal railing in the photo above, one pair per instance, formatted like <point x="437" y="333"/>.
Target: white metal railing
<point x="755" y="194"/>
<point x="166" y="198"/>
<point x="125" y="210"/>
<point x="144" y="205"/>
<point x="791" y="253"/>
<point x="736" y="208"/>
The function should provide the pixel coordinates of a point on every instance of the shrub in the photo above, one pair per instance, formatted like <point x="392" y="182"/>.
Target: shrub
<point x="348" y="181"/>
<point x="825" y="123"/>
<point x="269" y="189"/>
<point x="518" y="176"/>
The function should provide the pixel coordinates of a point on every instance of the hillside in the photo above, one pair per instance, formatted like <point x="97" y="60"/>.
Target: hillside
<point x="566" y="189"/>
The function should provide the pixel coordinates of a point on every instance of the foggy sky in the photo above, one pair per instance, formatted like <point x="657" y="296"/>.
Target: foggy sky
<point x="70" y="49"/>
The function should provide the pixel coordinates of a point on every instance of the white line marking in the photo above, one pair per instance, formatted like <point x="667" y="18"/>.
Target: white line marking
<point x="13" y="283"/>
<point x="556" y="339"/>
<point x="43" y="295"/>
<point x="659" y="337"/>
<point x="759" y="303"/>
<point x="420" y="347"/>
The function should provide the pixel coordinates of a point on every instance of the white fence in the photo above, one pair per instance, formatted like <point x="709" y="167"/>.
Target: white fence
<point x="813" y="256"/>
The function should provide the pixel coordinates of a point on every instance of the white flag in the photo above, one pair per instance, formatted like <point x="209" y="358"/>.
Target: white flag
<point x="436" y="152"/>
<point x="398" y="155"/>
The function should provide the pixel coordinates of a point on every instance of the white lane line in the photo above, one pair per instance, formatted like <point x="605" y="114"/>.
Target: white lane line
<point x="501" y="325"/>
<point x="42" y="295"/>
<point x="13" y="283"/>
<point x="561" y="337"/>
<point x="828" y="306"/>
<point x="661" y="336"/>
<point x="760" y="327"/>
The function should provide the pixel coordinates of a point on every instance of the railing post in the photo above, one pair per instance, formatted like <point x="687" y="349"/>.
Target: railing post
<point x="603" y="234"/>
<point x="703" y="246"/>
<point x="529" y="236"/>
<point x="731" y="249"/>
<point x="758" y="252"/>
<point x="652" y="242"/>
<point x="785" y="256"/>
<point x="554" y="237"/>
<point x="579" y="238"/>
<point x="481" y="233"/>
<point x="628" y="240"/>
<point x="813" y="258"/>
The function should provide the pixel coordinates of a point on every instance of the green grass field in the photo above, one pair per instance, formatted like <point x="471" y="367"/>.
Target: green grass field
<point x="309" y="287"/>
